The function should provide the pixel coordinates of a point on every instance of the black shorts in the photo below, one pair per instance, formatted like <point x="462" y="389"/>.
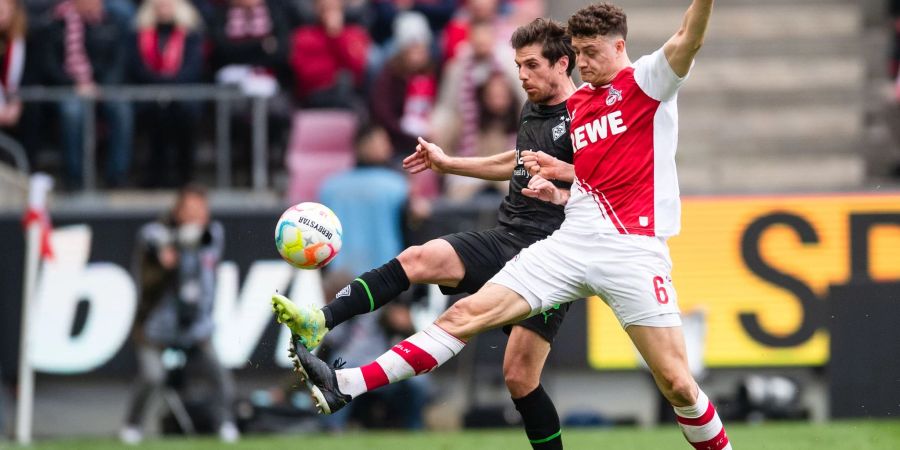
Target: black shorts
<point x="483" y="254"/>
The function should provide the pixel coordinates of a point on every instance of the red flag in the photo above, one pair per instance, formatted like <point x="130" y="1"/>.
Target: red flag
<point x="40" y="217"/>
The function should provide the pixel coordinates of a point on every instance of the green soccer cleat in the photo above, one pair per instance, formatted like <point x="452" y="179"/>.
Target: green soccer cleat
<point x="306" y="323"/>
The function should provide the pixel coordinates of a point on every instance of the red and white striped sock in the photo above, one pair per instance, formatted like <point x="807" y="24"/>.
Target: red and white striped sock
<point x="418" y="354"/>
<point x="701" y="425"/>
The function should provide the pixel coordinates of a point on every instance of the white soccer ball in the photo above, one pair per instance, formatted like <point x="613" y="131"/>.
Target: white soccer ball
<point x="308" y="235"/>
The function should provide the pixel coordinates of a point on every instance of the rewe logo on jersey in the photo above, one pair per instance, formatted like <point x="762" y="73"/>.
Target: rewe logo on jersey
<point x="589" y="133"/>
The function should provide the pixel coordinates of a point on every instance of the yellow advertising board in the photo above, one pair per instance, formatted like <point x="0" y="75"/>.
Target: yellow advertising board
<point x="759" y="268"/>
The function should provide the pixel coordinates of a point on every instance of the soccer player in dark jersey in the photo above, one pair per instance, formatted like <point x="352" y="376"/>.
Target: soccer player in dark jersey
<point x="463" y="262"/>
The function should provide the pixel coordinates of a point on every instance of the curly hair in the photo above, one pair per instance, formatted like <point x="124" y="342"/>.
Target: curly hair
<point x="553" y="39"/>
<point x="601" y="19"/>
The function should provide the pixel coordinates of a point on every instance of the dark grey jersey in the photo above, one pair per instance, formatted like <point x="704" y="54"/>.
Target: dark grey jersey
<point x="541" y="128"/>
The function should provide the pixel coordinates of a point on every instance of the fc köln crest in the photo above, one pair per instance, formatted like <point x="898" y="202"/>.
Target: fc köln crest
<point x="614" y="96"/>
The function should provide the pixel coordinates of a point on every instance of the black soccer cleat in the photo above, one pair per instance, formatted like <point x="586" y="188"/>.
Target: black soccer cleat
<point x="320" y="379"/>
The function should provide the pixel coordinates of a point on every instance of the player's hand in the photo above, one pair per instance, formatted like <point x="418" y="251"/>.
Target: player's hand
<point x="542" y="189"/>
<point x="548" y="167"/>
<point x="427" y="156"/>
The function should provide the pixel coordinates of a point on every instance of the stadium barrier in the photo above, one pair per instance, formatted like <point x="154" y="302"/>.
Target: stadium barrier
<point x="222" y="95"/>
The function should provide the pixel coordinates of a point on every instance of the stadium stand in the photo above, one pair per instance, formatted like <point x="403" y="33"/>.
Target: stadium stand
<point x="321" y="144"/>
<point x="787" y="76"/>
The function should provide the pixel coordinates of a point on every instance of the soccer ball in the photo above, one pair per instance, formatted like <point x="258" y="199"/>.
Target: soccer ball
<point x="308" y="235"/>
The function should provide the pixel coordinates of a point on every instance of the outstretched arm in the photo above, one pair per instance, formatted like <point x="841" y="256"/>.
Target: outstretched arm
<point x="498" y="167"/>
<point x="540" y="163"/>
<point x="681" y="48"/>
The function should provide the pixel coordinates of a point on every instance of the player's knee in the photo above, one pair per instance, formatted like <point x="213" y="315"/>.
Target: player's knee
<point x="413" y="261"/>
<point x="519" y="380"/>
<point x="679" y="388"/>
<point x="458" y="319"/>
<point x="457" y="314"/>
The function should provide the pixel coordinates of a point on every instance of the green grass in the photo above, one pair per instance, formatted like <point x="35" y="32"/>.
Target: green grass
<point x="855" y="435"/>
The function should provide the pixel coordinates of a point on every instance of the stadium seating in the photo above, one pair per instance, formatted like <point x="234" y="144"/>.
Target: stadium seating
<point x="775" y="93"/>
<point x="321" y="144"/>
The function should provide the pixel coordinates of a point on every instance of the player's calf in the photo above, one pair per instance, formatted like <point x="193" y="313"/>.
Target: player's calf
<point x="365" y="294"/>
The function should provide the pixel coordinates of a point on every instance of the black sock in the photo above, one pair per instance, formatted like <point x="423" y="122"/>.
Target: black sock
<point x="370" y="291"/>
<point x="541" y="420"/>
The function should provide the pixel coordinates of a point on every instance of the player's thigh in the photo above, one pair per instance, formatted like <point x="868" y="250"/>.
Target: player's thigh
<point x="547" y="273"/>
<point x="523" y="362"/>
<point x="434" y="262"/>
<point x="633" y="276"/>
<point x="492" y="306"/>
<point x="664" y="351"/>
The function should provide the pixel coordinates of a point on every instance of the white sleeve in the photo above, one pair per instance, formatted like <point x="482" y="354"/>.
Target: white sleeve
<point x="655" y="76"/>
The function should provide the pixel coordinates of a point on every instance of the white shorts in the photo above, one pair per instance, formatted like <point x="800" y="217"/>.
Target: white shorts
<point x="631" y="273"/>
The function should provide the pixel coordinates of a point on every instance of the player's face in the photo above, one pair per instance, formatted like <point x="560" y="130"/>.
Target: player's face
<point x="540" y="79"/>
<point x="598" y="58"/>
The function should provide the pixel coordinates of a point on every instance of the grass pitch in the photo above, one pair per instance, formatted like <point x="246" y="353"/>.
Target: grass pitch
<point x="853" y="435"/>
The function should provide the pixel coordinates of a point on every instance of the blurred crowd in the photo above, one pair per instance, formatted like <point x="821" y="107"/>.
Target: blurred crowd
<point x="442" y="69"/>
<point x="893" y="110"/>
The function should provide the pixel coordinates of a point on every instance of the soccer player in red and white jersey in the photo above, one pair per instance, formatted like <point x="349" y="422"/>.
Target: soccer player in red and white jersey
<point x="623" y="206"/>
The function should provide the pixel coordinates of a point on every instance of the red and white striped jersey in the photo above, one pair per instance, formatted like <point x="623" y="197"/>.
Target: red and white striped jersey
<point x="624" y="136"/>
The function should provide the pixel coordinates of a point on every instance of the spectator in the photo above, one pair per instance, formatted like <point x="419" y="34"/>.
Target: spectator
<point x="176" y="260"/>
<point x="168" y="49"/>
<point x="369" y="199"/>
<point x="457" y="110"/>
<point x="304" y="12"/>
<point x="438" y="13"/>
<point x="252" y="34"/>
<point x="475" y="11"/>
<point x="524" y="11"/>
<point x="328" y="59"/>
<point x="85" y="48"/>
<point x="498" y="115"/>
<point x="12" y="55"/>
<point x="403" y="95"/>
<point x="250" y="48"/>
<point x="384" y="14"/>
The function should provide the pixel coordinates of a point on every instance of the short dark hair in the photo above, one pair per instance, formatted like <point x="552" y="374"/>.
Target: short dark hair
<point x="193" y="188"/>
<point x="553" y="39"/>
<point x="363" y="132"/>
<point x="601" y="19"/>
